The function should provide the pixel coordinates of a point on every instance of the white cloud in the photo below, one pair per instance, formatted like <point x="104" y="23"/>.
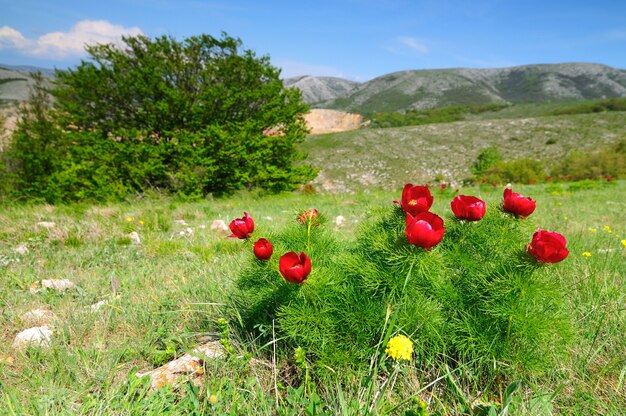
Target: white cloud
<point x="413" y="44"/>
<point x="11" y="38"/>
<point x="60" y="45"/>
<point x="406" y="44"/>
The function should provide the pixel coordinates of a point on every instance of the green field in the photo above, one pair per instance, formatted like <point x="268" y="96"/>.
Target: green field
<point x="175" y="285"/>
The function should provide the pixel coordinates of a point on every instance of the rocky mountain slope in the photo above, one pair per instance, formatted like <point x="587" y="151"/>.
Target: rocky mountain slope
<point x="319" y="89"/>
<point x="400" y="91"/>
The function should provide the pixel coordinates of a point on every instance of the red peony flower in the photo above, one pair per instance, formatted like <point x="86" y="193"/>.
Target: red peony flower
<point x="294" y="268"/>
<point x="518" y="204"/>
<point x="415" y="199"/>
<point x="263" y="249"/>
<point x="548" y="247"/>
<point x="468" y="207"/>
<point x="242" y="227"/>
<point x="424" y="230"/>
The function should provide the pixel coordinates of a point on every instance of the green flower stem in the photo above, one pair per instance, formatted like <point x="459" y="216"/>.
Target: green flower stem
<point x="308" y="234"/>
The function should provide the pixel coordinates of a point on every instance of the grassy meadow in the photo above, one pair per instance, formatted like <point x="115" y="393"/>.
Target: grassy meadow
<point x="174" y="286"/>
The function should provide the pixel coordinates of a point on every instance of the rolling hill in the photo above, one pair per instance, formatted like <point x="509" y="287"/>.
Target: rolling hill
<point x="418" y="89"/>
<point x="388" y="158"/>
<point x="16" y="81"/>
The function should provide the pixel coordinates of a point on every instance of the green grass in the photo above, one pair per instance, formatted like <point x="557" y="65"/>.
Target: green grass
<point x="174" y="288"/>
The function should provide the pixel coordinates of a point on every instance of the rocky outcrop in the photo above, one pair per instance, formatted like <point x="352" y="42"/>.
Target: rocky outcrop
<point x="331" y="121"/>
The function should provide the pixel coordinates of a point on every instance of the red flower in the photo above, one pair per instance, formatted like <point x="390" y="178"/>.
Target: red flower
<point x="468" y="207"/>
<point x="548" y="247"/>
<point x="415" y="199"/>
<point x="518" y="204"/>
<point x="424" y="230"/>
<point x="294" y="268"/>
<point x="242" y="227"/>
<point x="263" y="249"/>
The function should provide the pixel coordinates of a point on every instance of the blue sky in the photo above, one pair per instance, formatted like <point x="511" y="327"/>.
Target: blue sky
<point x="354" y="39"/>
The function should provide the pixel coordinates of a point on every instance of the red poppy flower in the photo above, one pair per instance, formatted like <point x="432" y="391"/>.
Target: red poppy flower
<point x="424" y="230"/>
<point x="468" y="207"/>
<point x="263" y="249"/>
<point x="294" y="268"/>
<point x="518" y="204"/>
<point x="242" y="227"/>
<point x="415" y="199"/>
<point x="548" y="247"/>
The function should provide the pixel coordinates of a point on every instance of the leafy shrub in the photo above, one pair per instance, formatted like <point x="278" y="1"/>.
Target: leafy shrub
<point x="475" y="300"/>
<point x="191" y="117"/>
<point x="597" y="106"/>
<point x="609" y="161"/>
<point x="515" y="171"/>
<point x="36" y="149"/>
<point x="430" y="116"/>
<point x="486" y="159"/>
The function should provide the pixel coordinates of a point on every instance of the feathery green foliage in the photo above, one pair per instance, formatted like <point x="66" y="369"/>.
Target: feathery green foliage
<point x="477" y="299"/>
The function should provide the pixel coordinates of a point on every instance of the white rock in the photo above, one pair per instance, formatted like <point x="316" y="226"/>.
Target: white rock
<point x="23" y="249"/>
<point x="39" y="336"/>
<point x="46" y="224"/>
<point x="56" y="284"/>
<point x="339" y="221"/>
<point x="96" y="306"/>
<point x="134" y="237"/>
<point x="187" y="367"/>
<point x="188" y="231"/>
<point x="37" y="317"/>
<point x="219" y="225"/>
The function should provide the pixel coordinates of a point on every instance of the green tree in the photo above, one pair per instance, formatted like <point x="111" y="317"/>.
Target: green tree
<point x="192" y="116"/>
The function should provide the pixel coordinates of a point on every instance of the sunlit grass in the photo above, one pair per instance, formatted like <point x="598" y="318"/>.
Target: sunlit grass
<point x="174" y="287"/>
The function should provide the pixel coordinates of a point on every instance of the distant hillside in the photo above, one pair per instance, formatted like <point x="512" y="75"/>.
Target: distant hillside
<point x="388" y="158"/>
<point x="321" y="89"/>
<point x="15" y="82"/>
<point x="405" y="90"/>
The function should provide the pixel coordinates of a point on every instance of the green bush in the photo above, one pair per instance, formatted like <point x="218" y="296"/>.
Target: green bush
<point x="475" y="300"/>
<point x="190" y="118"/>
<point x="597" y="106"/>
<point x="430" y="115"/>
<point x="515" y="171"/>
<point x="486" y="159"/>
<point x="609" y="161"/>
<point x="36" y="148"/>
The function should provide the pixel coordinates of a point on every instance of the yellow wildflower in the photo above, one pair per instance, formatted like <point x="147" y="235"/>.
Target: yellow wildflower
<point x="586" y="254"/>
<point x="129" y="219"/>
<point x="624" y="243"/>
<point x="141" y="222"/>
<point x="607" y="229"/>
<point x="593" y="230"/>
<point x="213" y="399"/>
<point x="400" y="347"/>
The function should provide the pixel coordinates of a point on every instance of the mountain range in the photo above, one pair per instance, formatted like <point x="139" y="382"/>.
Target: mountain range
<point x="419" y="89"/>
